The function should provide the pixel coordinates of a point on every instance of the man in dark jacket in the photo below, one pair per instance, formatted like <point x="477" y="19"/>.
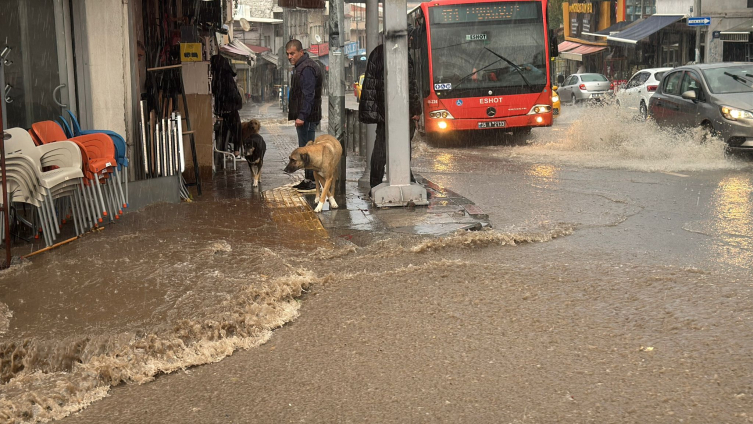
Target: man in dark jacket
<point x="305" y="101"/>
<point x="227" y="102"/>
<point x="371" y="109"/>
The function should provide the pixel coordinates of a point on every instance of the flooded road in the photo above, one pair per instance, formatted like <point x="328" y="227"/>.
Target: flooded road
<point x="615" y="287"/>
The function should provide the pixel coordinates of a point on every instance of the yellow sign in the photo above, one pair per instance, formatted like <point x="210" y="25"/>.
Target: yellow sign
<point x="190" y="52"/>
<point x="581" y="8"/>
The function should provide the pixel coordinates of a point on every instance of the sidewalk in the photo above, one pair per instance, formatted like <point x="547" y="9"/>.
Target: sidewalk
<point x="357" y="219"/>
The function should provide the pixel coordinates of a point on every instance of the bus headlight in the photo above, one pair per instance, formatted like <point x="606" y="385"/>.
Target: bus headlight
<point x="441" y="114"/>
<point x="540" y="109"/>
<point x="442" y="125"/>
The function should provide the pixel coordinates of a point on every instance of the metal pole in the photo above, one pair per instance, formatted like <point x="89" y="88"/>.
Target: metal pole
<point x="283" y="58"/>
<point x="398" y="190"/>
<point x="5" y="209"/>
<point x="337" y="84"/>
<point x="372" y="40"/>
<point x="697" y="12"/>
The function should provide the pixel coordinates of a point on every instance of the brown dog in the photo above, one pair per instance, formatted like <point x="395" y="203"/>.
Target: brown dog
<point x="323" y="157"/>
<point x="254" y="148"/>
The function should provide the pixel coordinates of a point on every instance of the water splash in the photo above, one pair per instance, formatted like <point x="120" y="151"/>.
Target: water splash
<point x="609" y="137"/>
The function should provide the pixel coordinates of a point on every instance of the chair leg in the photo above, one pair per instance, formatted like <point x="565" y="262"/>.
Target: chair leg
<point x="111" y="200"/>
<point x="120" y="189"/>
<point x="44" y="232"/>
<point x="75" y="221"/>
<point x="92" y="202"/>
<point x="117" y="200"/>
<point x="53" y="213"/>
<point x="81" y="199"/>
<point x="101" y="197"/>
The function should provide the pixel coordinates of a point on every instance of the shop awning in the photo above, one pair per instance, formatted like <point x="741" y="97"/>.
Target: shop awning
<point x="567" y="45"/>
<point x="271" y="58"/>
<point x="324" y="59"/>
<point x="644" y="28"/>
<point x="236" y="50"/>
<point x="265" y="20"/>
<point x="739" y="34"/>
<point x="578" y="52"/>
<point x="619" y="26"/>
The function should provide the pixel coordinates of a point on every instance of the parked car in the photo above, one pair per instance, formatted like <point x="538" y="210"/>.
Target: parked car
<point x="555" y="101"/>
<point x="580" y="87"/>
<point x="716" y="96"/>
<point x="357" y="88"/>
<point x="639" y="88"/>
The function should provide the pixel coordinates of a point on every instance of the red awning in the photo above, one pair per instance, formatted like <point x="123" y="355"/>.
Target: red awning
<point x="576" y="51"/>
<point x="258" y="49"/>
<point x="567" y="45"/>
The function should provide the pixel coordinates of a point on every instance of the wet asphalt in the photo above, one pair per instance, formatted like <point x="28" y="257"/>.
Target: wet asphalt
<point x="636" y="311"/>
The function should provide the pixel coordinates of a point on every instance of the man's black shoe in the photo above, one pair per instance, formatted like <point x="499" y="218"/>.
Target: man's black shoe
<point x="306" y="187"/>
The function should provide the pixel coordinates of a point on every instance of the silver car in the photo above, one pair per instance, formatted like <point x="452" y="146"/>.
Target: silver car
<point x="717" y="96"/>
<point x="580" y="87"/>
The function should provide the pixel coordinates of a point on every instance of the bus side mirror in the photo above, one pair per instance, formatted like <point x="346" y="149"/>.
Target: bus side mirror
<point x="553" y="44"/>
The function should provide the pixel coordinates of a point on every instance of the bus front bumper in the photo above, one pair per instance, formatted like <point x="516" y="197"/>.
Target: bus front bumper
<point x="503" y="123"/>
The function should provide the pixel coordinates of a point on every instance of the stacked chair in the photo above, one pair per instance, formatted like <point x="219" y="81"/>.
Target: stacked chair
<point x="64" y="175"/>
<point x="99" y="164"/>
<point x="43" y="176"/>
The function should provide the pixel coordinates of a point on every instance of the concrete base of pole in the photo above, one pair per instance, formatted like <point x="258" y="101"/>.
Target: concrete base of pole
<point x="386" y="195"/>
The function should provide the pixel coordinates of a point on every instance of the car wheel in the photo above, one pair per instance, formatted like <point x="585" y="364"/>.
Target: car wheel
<point x="643" y="111"/>
<point x="709" y="132"/>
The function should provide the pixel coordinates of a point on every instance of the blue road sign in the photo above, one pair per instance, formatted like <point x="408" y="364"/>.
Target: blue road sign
<point x="699" y="21"/>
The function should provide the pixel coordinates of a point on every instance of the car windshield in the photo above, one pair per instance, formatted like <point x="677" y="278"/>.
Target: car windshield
<point x="494" y="46"/>
<point x="730" y="79"/>
<point x="592" y="77"/>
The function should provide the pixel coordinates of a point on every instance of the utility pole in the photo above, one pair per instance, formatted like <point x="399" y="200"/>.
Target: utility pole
<point x="337" y="83"/>
<point x="697" y="13"/>
<point x="372" y="40"/>
<point x="398" y="190"/>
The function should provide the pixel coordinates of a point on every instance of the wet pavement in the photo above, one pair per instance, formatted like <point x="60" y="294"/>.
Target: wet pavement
<point x="614" y="287"/>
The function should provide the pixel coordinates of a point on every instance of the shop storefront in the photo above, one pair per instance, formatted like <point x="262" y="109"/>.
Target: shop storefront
<point x="738" y="43"/>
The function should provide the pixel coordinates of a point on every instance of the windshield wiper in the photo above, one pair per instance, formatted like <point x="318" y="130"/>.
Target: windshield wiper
<point x="516" y="67"/>
<point x="739" y="79"/>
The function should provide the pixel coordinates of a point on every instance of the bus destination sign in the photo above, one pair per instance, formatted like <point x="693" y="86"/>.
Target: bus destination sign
<point x="479" y="12"/>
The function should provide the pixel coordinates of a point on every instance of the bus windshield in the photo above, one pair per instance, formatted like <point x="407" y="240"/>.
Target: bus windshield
<point x="486" y="49"/>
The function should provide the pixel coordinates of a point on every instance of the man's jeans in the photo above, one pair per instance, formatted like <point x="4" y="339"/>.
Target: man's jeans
<point x="306" y="133"/>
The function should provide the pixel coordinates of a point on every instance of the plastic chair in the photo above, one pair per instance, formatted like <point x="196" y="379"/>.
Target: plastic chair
<point x="100" y="161"/>
<point x="120" y="147"/>
<point x="39" y="188"/>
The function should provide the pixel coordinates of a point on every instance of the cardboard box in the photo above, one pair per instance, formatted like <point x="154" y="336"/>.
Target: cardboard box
<point x="190" y="52"/>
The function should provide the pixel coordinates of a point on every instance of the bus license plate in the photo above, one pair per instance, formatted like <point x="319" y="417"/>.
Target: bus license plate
<point x="491" y="124"/>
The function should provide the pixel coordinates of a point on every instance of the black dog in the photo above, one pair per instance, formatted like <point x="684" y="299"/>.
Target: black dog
<point x="254" y="148"/>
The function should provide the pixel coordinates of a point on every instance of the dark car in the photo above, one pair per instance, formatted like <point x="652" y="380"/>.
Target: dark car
<point x="716" y="96"/>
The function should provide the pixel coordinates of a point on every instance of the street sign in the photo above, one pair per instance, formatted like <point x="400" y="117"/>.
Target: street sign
<point x="699" y="21"/>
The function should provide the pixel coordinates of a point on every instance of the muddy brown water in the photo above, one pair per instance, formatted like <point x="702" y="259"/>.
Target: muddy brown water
<point x="494" y="326"/>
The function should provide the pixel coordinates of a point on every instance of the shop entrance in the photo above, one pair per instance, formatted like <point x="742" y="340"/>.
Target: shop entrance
<point x="39" y="80"/>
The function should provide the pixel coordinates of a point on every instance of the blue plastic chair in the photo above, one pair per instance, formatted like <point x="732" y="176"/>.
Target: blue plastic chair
<point x="66" y="128"/>
<point x="120" y="150"/>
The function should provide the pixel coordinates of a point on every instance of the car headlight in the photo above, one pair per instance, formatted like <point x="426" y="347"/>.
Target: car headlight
<point x="734" y="114"/>
<point x="540" y="109"/>
<point x="441" y="114"/>
<point x="555" y="99"/>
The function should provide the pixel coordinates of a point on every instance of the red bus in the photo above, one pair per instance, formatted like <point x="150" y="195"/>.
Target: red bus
<point x="482" y="66"/>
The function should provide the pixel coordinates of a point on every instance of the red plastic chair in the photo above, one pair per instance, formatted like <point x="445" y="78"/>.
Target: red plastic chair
<point x="98" y="159"/>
